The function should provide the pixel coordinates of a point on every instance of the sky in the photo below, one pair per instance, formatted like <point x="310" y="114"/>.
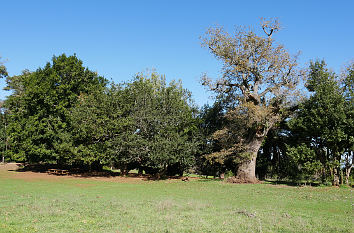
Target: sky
<point x="121" y="38"/>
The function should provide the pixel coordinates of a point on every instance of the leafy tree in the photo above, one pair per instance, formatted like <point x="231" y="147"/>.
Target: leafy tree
<point x="165" y="125"/>
<point x="271" y="159"/>
<point x="348" y="88"/>
<point x="321" y="122"/>
<point x="144" y="124"/>
<point x="3" y="71"/>
<point x="258" y="83"/>
<point x="306" y="161"/>
<point x="102" y="126"/>
<point x="39" y="107"/>
<point x="211" y="119"/>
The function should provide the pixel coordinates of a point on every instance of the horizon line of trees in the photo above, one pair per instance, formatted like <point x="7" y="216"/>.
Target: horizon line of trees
<point x="66" y="115"/>
<point x="263" y="123"/>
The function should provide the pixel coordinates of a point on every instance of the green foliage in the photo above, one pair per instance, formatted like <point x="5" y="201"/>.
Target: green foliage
<point x="228" y="174"/>
<point x="272" y="161"/>
<point x="3" y="71"/>
<point x="100" y="125"/>
<point x="39" y="106"/>
<point x="64" y="114"/>
<point x="316" y="141"/>
<point x="306" y="161"/>
<point x="322" y="122"/>
<point x="211" y="119"/>
<point x="144" y="124"/>
<point x="165" y="126"/>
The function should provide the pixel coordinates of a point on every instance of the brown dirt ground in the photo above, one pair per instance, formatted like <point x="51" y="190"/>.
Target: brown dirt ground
<point x="11" y="170"/>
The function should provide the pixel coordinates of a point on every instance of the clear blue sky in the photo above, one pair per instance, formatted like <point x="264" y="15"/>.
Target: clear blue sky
<point x="120" y="38"/>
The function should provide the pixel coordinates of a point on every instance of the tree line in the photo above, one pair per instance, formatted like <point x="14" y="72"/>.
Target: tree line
<point x="263" y="123"/>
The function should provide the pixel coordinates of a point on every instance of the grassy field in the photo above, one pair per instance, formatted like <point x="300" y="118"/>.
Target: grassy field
<point x="63" y="204"/>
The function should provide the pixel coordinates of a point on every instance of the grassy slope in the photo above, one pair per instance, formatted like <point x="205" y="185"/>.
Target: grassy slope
<point x="77" y="205"/>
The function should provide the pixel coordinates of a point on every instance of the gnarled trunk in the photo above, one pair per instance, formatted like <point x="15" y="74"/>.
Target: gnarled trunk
<point x="335" y="181"/>
<point x="246" y="171"/>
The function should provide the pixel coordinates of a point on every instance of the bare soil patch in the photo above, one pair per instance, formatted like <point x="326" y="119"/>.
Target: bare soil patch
<point x="35" y="176"/>
<point x="14" y="170"/>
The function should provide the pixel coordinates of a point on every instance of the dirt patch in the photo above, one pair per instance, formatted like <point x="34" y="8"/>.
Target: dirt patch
<point x="37" y="176"/>
<point x="12" y="170"/>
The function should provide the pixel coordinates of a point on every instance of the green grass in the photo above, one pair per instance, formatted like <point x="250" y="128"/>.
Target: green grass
<point x="79" y="205"/>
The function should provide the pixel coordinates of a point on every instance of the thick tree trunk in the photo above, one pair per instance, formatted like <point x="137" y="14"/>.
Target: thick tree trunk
<point x="246" y="171"/>
<point x="335" y="181"/>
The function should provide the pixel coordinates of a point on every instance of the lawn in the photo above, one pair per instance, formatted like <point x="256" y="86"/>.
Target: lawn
<point x="64" y="204"/>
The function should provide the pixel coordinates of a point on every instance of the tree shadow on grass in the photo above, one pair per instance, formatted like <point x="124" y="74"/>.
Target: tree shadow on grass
<point x="85" y="173"/>
<point x="69" y="170"/>
<point x="206" y="180"/>
<point x="291" y="183"/>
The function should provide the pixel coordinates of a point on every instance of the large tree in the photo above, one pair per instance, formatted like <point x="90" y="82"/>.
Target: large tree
<point x="259" y="79"/>
<point x="348" y="88"/>
<point x="165" y="125"/>
<point x="39" y="106"/>
<point x="145" y="124"/>
<point x="102" y="126"/>
<point x="323" y="125"/>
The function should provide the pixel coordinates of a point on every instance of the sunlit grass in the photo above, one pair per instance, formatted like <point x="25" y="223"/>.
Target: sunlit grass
<point x="84" y="205"/>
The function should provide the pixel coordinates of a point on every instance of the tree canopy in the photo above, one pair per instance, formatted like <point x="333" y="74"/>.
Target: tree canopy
<point x="263" y="123"/>
<point x="67" y="115"/>
<point x="258" y="83"/>
<point x="322" y="124"/>
<point x="145" y="124"/>
<point x="39" y="107"/>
